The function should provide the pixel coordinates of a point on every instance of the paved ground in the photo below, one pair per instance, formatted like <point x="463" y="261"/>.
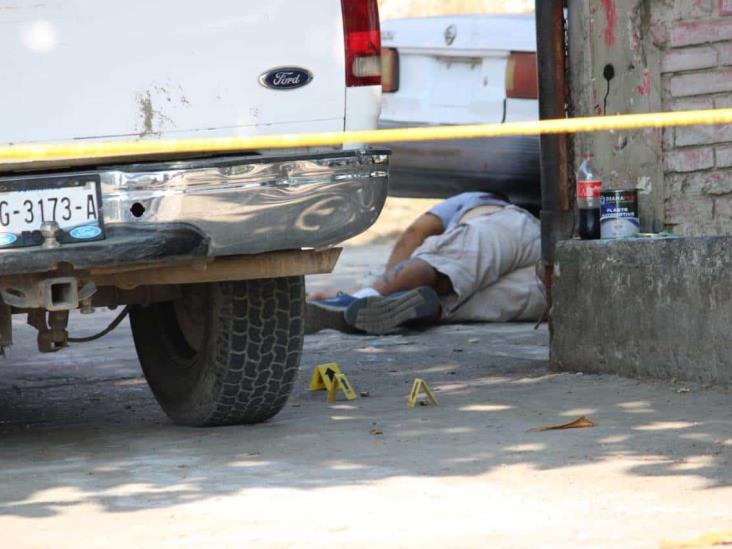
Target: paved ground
<point x="87" y="459"/>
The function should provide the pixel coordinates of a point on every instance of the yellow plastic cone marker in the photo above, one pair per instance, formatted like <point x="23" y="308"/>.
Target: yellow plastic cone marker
<point x="324" y="376"/>
<point x="420" y="386"/>
<point x="341" y="382"/>
<point x="328" y="377"/>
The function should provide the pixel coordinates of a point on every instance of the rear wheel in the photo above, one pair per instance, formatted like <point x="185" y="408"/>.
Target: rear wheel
<point x="224" y="353"/>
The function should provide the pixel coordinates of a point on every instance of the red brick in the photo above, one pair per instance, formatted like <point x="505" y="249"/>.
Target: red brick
<point x="659" y="33"/>
<point x="723" y="214"/>
<point x="687" y="34"/>
<point x="701" y="83"/>
<point x="690" y="104"/>
<point x="689" y="9"/>
<point x="703" y="135"/>
<point x="689" y="59"/>
<point x="723" y="102"/>
<point x="724" y="157"/>
<point x="692" y="214"/>
<point x="689" y="160"/>
<point x="672" y="185"/>
<point x="667" y="139"/>
<point x="725" y="54"/>
<point x="718" y="182"/>
<point x="712" y="183"/>
<point x="725" y="7"/>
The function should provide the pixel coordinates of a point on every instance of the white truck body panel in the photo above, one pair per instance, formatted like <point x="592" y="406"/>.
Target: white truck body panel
<point x="473" y="33"/>
<point x="102" y="69"/>
<point x="114" y="70"/>
<point x="461" y="82"/>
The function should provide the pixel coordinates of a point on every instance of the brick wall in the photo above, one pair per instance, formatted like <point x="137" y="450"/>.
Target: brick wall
<point x="668" y="55"/>
<point x="696" y="73"/>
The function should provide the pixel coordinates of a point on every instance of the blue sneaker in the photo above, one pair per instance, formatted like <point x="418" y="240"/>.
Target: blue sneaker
<point x="385" y="314"/>
<point x="328" y="313"/>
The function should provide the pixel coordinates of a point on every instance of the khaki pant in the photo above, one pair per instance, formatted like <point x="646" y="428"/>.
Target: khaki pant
<point x="491" y="262"/>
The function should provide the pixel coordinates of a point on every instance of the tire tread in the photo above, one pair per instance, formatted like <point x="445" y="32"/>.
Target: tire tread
<point x="257" y="333"/>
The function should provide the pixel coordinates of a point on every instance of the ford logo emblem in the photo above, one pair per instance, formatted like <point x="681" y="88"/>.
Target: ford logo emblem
<point x="451" y="33"/>
<point x="85" y="232"/>
<point x="286" y="78"/>
<point x="6" y="239"/>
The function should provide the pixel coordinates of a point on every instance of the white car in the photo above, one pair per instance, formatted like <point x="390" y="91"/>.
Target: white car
<point x="471" y="69"/>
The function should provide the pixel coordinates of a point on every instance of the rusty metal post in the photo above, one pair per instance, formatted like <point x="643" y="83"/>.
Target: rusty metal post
<point x="556" y="214"/>
<point x="6" y="326"/>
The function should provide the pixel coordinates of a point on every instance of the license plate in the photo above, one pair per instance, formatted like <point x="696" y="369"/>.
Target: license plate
<point x="72" y="201"/>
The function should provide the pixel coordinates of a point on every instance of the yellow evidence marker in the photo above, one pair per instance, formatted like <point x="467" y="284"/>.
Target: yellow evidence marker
<point x="420" y="386"/>
<point x="328" y="377"/>
<point x="341" y="382"/>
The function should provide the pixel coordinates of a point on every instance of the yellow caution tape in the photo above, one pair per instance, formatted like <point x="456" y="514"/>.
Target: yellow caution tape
<point x="16" y="154"/>
<point x="707" y="540"/>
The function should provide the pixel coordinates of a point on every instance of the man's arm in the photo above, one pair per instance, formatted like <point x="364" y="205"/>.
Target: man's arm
<point x="423" y="227"/>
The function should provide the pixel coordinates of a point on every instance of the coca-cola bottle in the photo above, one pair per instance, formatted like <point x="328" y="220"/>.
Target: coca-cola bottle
<point x="589" y="185"/>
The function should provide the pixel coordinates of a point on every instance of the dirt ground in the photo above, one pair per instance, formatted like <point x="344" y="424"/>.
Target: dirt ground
<point x="87" y="458"/>
<point x="396" y="215"/>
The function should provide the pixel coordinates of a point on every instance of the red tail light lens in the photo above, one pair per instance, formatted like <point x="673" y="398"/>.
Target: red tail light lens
<point x="521" y="76"/>
<point x="363" y="42"/>
<point x="389" y="70"/>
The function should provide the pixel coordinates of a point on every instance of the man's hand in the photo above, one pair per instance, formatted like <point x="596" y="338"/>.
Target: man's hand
<point x="423" y="227"/>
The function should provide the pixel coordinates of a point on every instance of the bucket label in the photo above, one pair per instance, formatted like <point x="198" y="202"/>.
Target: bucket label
<point x="618" y="204"/>
<point x="619" y="214"/>
<point x="589" y="189"/>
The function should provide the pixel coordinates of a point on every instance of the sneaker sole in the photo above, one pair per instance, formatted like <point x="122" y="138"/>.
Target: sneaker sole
<point x="319" y="317"/>
<point x="385" y="314"/>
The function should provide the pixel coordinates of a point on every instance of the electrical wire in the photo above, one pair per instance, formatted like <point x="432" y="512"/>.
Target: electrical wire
<point x="116" y="322"/>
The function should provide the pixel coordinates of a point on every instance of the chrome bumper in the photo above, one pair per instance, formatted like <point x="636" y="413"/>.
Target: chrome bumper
<point x="253" y="204"/>
<point x="159" y="214"/>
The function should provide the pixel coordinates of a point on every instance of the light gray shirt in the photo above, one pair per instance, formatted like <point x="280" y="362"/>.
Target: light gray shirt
<point x="453" y="209"/>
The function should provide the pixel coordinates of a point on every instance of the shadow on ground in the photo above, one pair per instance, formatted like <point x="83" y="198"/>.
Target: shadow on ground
<point x="82" y="427"/>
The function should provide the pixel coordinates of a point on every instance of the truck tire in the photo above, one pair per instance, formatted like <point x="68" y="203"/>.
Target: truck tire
<point x="224" y="353"/>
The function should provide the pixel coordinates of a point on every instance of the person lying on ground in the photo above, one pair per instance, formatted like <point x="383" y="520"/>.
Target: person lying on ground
<point x="470" y="258"/>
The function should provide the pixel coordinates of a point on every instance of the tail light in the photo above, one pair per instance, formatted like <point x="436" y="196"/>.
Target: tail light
<point x="521" y="76"/>
<point x="389" y="70"/>
<point x="363" y="42"/>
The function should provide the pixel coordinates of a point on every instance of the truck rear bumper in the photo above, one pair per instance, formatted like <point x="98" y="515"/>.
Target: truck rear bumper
<point x="226" y="206"/>
<point x="251" y="204"/>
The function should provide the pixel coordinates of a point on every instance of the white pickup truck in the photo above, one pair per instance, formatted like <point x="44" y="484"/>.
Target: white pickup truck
<point x="207" y="253"/>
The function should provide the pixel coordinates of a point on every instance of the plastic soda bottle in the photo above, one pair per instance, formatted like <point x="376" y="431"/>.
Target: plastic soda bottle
<point x="589" y="186"/>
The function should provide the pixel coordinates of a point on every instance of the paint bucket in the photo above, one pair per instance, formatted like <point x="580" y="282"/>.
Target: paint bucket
<point x="619" y="214"/>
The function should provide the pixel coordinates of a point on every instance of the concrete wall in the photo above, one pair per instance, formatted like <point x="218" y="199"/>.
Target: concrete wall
<point x="667" y="55"/>
<point x="645" y="308"/>
<point x="613" y="32"/>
